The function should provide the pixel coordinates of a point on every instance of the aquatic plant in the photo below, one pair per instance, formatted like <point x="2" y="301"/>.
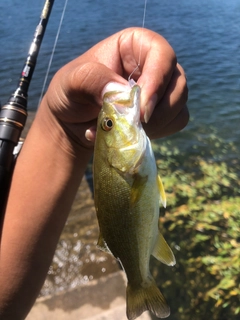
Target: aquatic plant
<point x="202" y="224"/>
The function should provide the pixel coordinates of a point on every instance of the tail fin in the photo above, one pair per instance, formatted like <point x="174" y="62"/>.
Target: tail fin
<point x="142" y="299"/>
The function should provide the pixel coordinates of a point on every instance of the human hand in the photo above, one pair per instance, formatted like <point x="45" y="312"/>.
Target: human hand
<point x="75" y="94"/>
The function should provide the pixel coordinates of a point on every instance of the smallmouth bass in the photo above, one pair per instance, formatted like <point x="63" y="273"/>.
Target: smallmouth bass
<point x="127" y="194"/>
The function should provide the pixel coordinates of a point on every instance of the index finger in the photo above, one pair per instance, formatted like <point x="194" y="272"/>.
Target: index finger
<point x="157" y="61"/>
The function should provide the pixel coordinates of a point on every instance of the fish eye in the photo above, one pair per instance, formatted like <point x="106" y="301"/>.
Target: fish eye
<point x="107" y="124"/>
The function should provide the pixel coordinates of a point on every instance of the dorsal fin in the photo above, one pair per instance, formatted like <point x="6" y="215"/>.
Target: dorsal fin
<point x="101" y="244"/>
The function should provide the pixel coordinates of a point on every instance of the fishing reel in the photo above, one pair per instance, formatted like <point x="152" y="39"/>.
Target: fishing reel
<point x="13" y="114"/>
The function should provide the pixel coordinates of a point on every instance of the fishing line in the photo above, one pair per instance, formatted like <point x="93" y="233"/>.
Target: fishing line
<point x="53" y="51"/>
<point x="141" y="41"/>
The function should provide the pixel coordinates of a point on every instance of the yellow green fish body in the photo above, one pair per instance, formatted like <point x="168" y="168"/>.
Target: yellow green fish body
<point x="127" y="192"/>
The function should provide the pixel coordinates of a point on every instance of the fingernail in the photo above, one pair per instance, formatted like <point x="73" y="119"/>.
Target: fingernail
<point x="90" y="134"/>
<point x="149" y="107"/>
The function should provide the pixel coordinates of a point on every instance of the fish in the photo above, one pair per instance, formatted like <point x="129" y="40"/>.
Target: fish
<point x="127" y="195"/>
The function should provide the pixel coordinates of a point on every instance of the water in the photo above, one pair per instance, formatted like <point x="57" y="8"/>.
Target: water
<point x="206" y="37"/>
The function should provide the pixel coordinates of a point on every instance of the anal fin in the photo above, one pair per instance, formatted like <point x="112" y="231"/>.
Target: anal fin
<point x="163" y="252"/>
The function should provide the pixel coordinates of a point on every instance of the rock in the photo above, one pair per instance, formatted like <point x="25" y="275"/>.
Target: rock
<point x="101" y="299"/>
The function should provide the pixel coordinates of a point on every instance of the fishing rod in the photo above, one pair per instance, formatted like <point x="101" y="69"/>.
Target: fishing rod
<point x="13" y="114"/>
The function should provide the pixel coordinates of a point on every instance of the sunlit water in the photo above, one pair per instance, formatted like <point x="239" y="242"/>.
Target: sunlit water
<point x="204" y="34"/>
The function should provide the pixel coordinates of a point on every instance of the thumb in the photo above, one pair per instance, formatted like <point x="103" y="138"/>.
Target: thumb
<point x="75" y="92"/>
<point x="88" y="81"/>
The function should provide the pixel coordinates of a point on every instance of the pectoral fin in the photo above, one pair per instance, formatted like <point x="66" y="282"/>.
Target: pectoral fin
<point x="137" y="188"/>
<point x="163" y="199"/>
<point x="163" y="252"/>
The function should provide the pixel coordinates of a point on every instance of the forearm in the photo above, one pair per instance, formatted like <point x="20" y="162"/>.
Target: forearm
<point x="45" y="180"/>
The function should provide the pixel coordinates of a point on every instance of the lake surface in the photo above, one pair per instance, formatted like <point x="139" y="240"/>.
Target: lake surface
<point x="205" y="35"/>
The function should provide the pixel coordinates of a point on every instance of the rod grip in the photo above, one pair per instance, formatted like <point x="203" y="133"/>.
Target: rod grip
<point x="6" y="169"/>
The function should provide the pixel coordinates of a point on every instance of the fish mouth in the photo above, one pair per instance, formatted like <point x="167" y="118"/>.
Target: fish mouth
<point x="126" y="102"/>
